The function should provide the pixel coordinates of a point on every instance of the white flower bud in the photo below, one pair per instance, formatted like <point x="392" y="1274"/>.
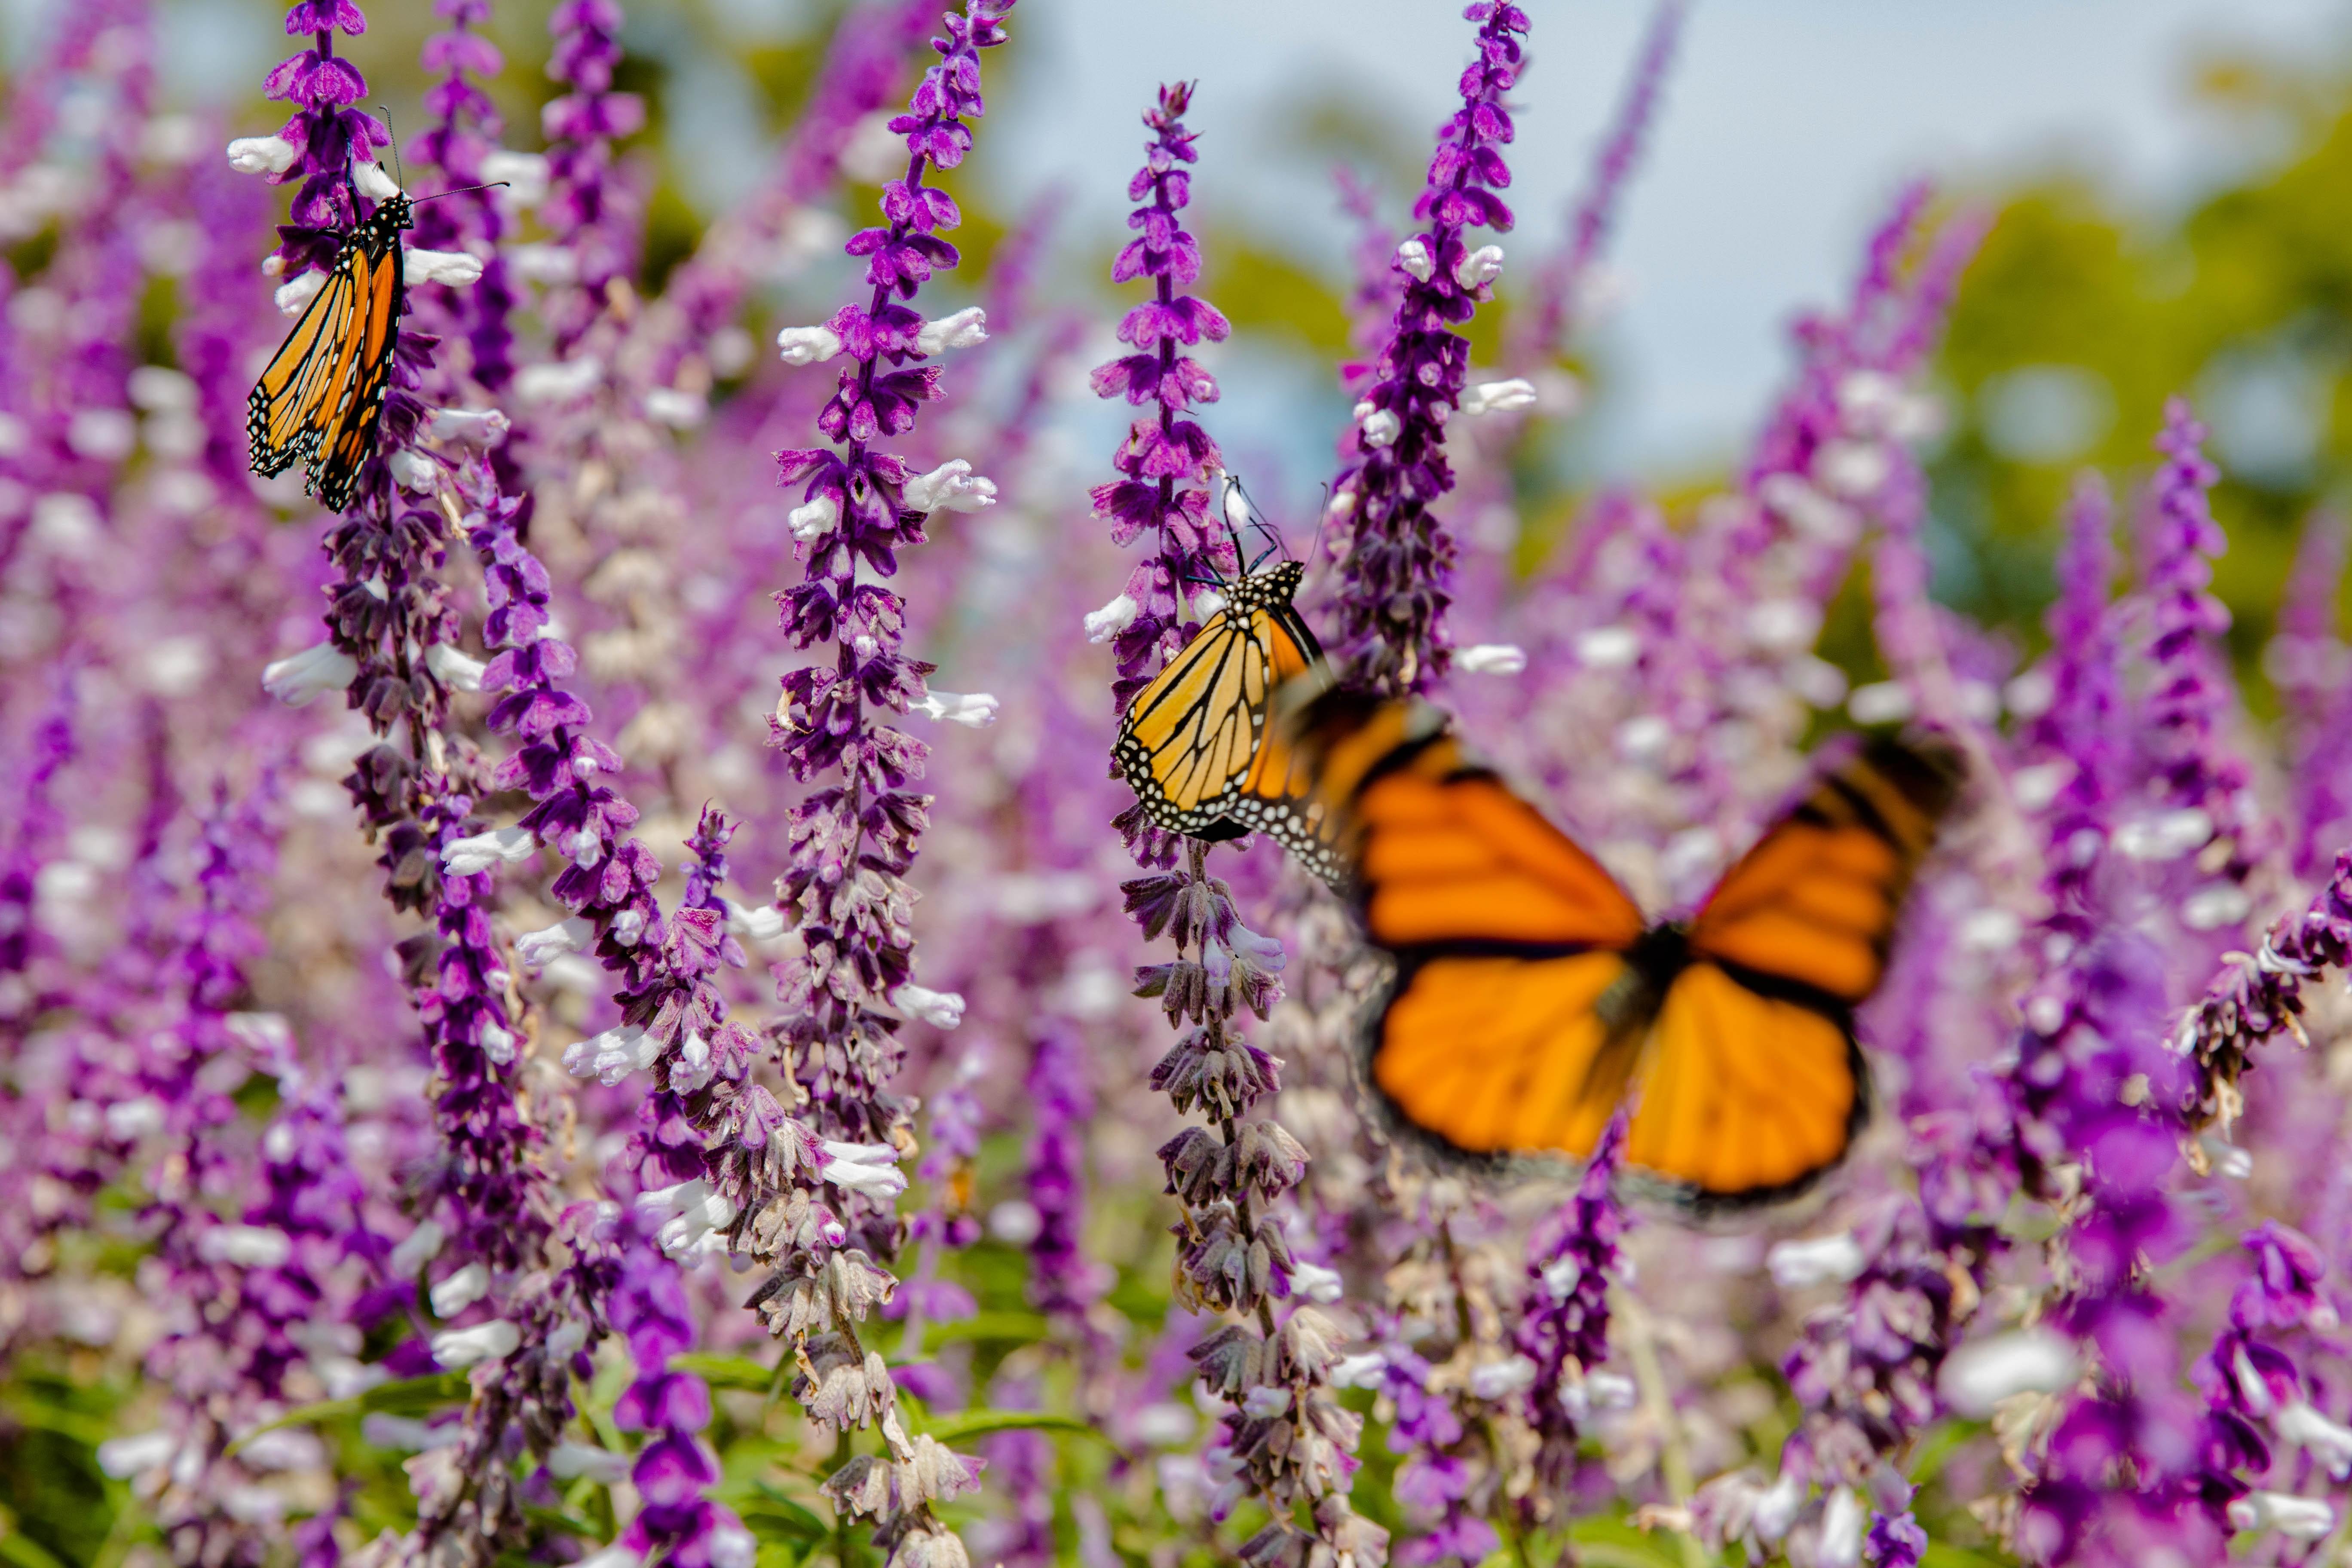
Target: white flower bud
<point x="678" y="410"/>
<point x="2327" y="1442"/>
<point x="128" y="1121"/>
<point x="2167" y="836"/>
<point x="247" y="1246"/>
<point x="1979" y="1376"/>
<point x="1843" y="1517"/>
<point x="465" y="857"/>
<point x="560" y="382"/>
<point x="974" y="711"/>
<point x="295" y="297"/>
<point x="160" y="389"/>
<point x="457" y="671"/>
<point x="525" y="174"/>
<point x="868" y="1168"/>
<point x="372" y="182"/>
<point x="1822" y="1261"/>
<point x="2215" y="905"/>
<point x="1492" y="658"/>
<point x="1319" y="1285"/>
<point x="1856" y="469"/>
<point x="2296" y="1517"/>
<point x="454" y="268"/>
<point x="814" y="519"/>
<point x="1263" y="1403"/>
<point x="951" y="486"/>
<point x="537" y="263"/>
<point x="419" y="1248"/>
<point x="536" y="948"/>
<point x="1112" y="619"/>
<point x="460" y="1290"/>
<point x="1499" y="396"/>
<point x="124" y="1458"/>
<point x="1207" y="602"/>
<point x="262" y="155"/>
<point x="301" y="678"/>
<point x="1501" y="1379"/>
<point x="613" y="1055"/>
<point x="763" y="924"/>
<point x="1608" y="648"/>
<point x="1880" y="702"/>
<point x="1413" y="257"/>
<point x="807" y="345"/>
<point x="458" y="1348"/>
<point x="967" y="328"/>
<point x="940" y="1009"/>
<point x="413" y="471"/>
<point x="1367" y="1370"/>
<point x="1382" y="428"/>
<point x="477" y="428"/>
<point x="1480" y="267"/>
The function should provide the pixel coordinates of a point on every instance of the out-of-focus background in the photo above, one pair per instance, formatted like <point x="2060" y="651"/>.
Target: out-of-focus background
<point x="2173" y="180"/>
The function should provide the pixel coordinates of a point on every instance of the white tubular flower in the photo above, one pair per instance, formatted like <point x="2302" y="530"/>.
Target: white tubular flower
<point x="678" y="410"/>
<point x="1608" y="648"/>
<point x="2296" y="1517"/>
<point x="128" y="1121"/>
<point x="159" y="389"/>
<point x="940" y="1009"/>
<point x="247" y="1246"/>
<point x="613" y="1055"/>
<point x="1820" y="1261"/>
<point x="1856" y="469"/>
<point x="570" y="1461"/>
<point x="413" y="471"/>
<point x="558" y="383"/>
<point x="372" y="182"/>
<point x="407" y="1434"/>
<point x="2215" y="905"/>
<point x="1843" y="1517"/>
<point x="262" y="155"/>
<point x="455" y="1349"/>
<point x="454" y="268"/>
<point x="536" y="948"/>
<point x="1110" y="620"/>
<point x="1366" y="1370"/>
<point x="868" y="1168"/>
<point x="1501" y="1379"/>
<point x="465" y="857"/>
<point x="2165" y="837"/>
<point x="1492" y="658"/>
<point x="952" y="487"/>
<point x="1480" y="267"/>
<point x="1207" y="602"/>
<point x="1880" y="702"/>
<point x="295" y="297"/>
<point x="1413" y="257"/>
<point x="524" y="175"/>
<point x="1382" y="428"/>
<point x="2327" y="1441"/>
<point x="976" y="710"/>
<point x="1979" y="1376"/>
<point x="763" y="924"/>
<point x="474" y="426"/>
<point x="124" y="1458"/>
<point x="1778" y="1508"/>
<point x="1263" y="1403"/>
<point x="1807" y="510"/>
<point x="814" y="519"/>
<point x="966" y="329"/>
<point x="419" y="1248"/>
<point x="301" y="678"/>
<point x="455" y="671"/>
<point x="460" y="1290"/>
<point x="1607" y="1390"/>
<point x="807" y="345"/>
<point x="1319" y="1285"/>
<point x="1499" y="396"/>
<point x="696" y="1216"/>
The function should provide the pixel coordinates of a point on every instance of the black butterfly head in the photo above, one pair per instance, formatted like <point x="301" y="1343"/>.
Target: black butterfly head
<point x="1277" y="586"/>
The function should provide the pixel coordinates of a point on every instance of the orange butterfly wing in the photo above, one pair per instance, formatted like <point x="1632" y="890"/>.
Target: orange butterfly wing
<point x="319" y="400"/>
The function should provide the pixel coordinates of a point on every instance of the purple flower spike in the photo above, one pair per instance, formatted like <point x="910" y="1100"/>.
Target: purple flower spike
<point x="1392" y="608"/>
<point x="1572" y="1257"/>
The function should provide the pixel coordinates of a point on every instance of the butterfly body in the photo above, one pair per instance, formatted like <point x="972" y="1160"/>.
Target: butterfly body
<point x="1197" y="746"/>
<point x="1532" y="998"/>
<point x="320" y="399"/>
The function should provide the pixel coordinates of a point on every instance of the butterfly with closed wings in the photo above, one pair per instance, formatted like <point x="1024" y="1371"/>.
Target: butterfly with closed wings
<point x="1532" y="998"/>
<point x="1196" y="745"/>
<point x="319" y="400"/>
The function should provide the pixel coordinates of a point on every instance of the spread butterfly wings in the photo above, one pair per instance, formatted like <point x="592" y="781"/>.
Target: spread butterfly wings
<point x="1196" y="746"/>
<point x="319" y="398"/>
<point x="1531" y="997"/>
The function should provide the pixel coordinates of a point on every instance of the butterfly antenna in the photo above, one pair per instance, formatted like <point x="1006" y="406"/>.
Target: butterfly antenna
<point x="1322" y="515"/>
<point x="399" y="175"/>
<point x="1257" y="521"/>
<point x="459" y="191"/>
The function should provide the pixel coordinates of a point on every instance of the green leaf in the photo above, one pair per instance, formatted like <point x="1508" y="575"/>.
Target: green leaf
<point x="408" y="1397"/>
<point x="1021" y="1327"/>
<point x="25" y="1552"/>
<point x="771" y="1514"/>
<point x="981" y="1423"/>
<point x="728" y="1371"/>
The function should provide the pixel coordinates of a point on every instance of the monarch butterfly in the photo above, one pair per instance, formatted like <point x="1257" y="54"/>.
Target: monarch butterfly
<point x="1195" y="745"/>
<point x="319" y="400"/>
<point x="1532" y="996"/>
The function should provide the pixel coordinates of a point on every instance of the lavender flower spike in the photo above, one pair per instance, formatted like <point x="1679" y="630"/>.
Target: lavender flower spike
<point x="2255" y="997"/>
<point x="1391" y="611"/>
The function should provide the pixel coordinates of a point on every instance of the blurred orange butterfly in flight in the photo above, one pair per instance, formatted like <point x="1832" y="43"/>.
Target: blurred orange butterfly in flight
<point x="1532" y="998"/>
